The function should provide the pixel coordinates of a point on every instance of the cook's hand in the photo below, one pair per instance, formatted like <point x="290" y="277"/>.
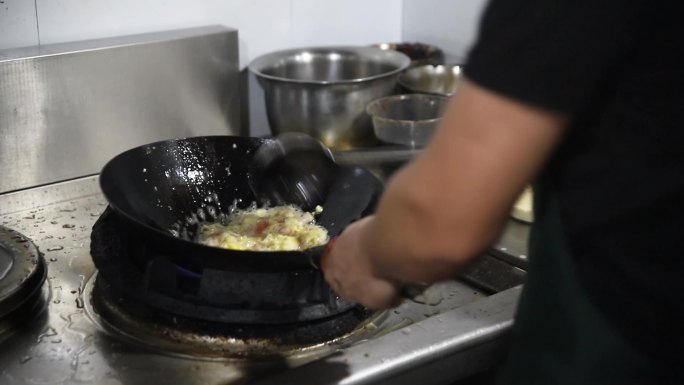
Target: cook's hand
<point x="349" y="272"/>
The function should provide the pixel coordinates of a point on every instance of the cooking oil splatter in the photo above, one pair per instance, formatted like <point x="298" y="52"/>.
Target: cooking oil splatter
<point x="79" y="300"/>
<point x="50" y="332"/>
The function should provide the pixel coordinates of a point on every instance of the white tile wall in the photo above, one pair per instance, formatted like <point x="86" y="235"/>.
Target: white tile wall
<point x="316" y="22"/>
<point x="449" y="24"/>
<point x="18" y="26"/>
<point x="263" y="25"/>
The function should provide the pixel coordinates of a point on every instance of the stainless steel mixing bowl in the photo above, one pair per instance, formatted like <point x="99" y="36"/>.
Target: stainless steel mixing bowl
<point x="324" y="91"/>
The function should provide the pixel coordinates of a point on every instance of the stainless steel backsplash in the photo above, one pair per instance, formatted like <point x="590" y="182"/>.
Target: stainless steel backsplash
<point x="66" y="109"/>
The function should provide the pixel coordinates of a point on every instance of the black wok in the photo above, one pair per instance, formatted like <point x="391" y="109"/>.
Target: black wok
<point x="171" y="185"/>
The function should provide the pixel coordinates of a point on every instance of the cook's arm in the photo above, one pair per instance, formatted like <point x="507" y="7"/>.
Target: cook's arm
<point x="449" y="204"/>
<point x="453" y="201"/>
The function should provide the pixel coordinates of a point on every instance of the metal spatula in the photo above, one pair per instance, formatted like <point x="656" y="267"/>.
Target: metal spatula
<point x="293" y="168"/>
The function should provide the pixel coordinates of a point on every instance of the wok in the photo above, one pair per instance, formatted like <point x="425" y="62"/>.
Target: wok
<point x="173" y="186"/>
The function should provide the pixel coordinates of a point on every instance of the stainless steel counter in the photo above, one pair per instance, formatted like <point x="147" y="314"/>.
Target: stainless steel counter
<point x="459" y="328"/>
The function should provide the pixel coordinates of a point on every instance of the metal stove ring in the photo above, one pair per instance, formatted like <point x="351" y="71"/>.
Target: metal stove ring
<point x="112" y="319"/>
<point x="22" y="291"/>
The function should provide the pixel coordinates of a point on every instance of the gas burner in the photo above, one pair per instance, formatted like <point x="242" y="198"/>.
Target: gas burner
<point x="177" y="335"/>
<point x="22" y="273"/>
<point x="140" y="295"/>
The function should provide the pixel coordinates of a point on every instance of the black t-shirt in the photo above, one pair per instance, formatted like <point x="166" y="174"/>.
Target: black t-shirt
<point x="615" y="67"/>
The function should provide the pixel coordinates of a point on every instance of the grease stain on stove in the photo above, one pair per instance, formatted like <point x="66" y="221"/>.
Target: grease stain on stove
<point x="57" y="290"/>
<point x="49" y="332"/>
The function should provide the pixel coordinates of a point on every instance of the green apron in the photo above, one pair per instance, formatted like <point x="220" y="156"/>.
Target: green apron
<point x="559" y="336"/>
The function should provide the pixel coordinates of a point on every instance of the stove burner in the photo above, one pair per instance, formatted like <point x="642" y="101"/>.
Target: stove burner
<point x="22" y="273"/>
<point x="141" y="295"/>
<point x="175" y="334"/>
<point x="133" y="268"/>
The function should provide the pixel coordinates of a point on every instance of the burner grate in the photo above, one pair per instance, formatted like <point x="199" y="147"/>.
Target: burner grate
<point x="169" y="333"/>
<point x="134" y="269"/>
<point x="140" y="294"/>
<point x="22" y="273"/>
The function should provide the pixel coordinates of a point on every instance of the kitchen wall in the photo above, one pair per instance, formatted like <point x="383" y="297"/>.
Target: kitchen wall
<point x="263" y="25"/>
<point x="448" y="24"/>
